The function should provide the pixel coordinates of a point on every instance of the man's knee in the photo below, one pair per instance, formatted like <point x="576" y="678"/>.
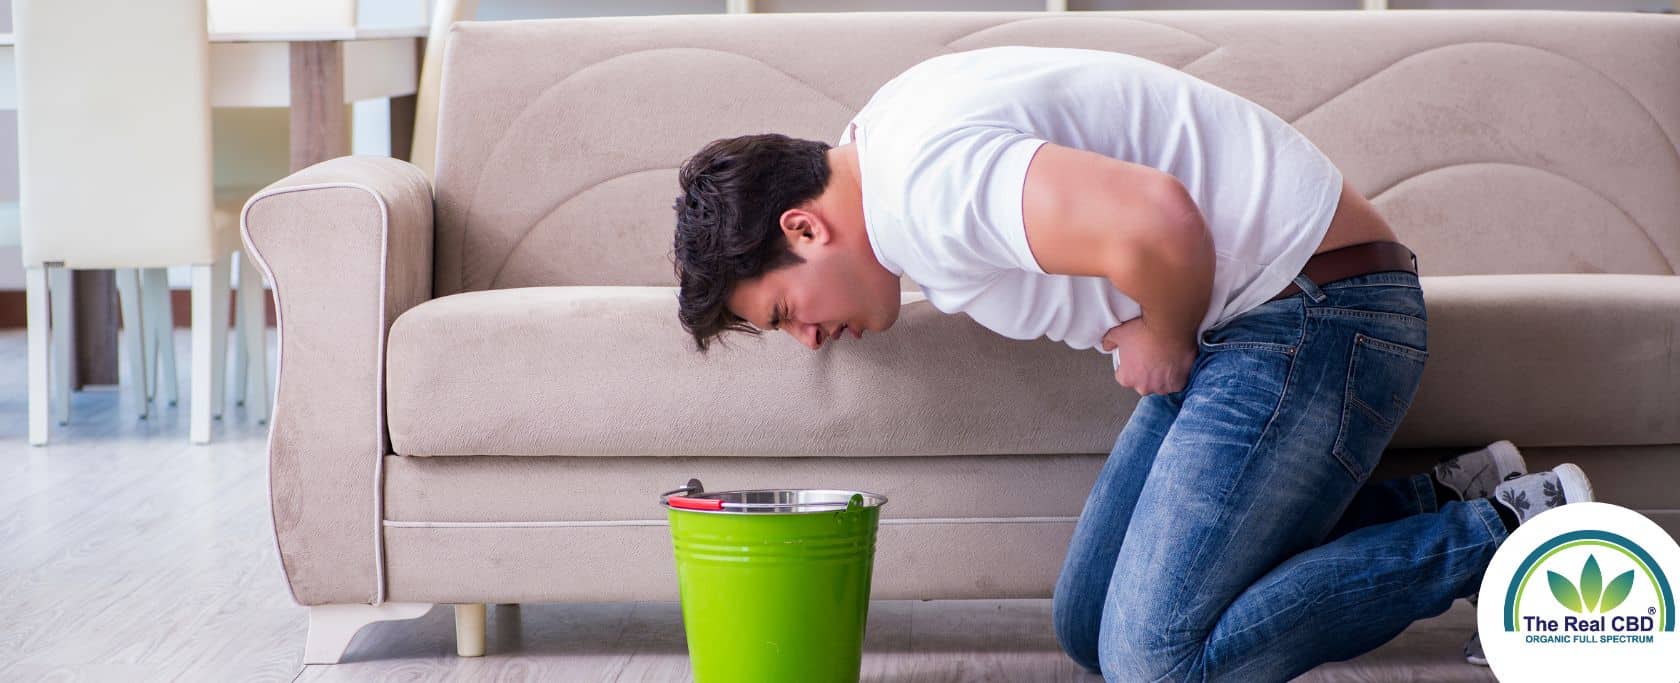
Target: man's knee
<point x="1134" y="652"/>
<point x="1140" y="642"/>
<point x="1076" y="621"/>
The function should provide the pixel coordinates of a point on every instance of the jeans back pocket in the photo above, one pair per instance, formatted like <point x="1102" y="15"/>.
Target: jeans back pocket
<point x="1382" y="379"/>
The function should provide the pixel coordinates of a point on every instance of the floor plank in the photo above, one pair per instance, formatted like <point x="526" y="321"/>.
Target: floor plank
<point x="128" y="554"/>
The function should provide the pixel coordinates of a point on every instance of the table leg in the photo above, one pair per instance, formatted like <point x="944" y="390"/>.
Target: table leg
<point x="320" y="120"/>
<point x="95" y="358"/>
<point x="403" y="109"/>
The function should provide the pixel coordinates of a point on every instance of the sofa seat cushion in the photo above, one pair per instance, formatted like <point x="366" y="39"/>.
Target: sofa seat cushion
<point x="1543" y="360"/>
<point x="1549" y="360"/>
<point x="608" y="371"/>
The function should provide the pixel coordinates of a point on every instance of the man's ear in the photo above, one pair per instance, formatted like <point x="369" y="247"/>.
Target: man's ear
<point x="800" y="225"/>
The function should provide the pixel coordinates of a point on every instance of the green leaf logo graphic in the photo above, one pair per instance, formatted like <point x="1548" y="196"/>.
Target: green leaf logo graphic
<point x="1617" y="591"/>
<point x="1564" y="591"/>
<point x="1591" y="582"/>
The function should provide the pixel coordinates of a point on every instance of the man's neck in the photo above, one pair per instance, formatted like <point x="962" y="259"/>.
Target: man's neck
<point x="846" y="180"/>
<point x="842" y="200"/>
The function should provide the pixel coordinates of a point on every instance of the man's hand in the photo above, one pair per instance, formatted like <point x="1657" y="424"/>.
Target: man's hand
<point x="1150" y="363"/>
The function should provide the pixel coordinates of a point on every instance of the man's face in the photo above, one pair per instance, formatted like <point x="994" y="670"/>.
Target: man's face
<point x="835" y="292"/>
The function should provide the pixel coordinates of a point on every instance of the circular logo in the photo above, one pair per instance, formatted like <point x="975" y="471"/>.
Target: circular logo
<point x="1582" y="592"/>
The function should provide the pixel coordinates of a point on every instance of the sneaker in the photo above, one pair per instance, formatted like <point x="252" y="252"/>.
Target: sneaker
<point x="1529" y="495"/>
<point x="1473" y="647"/>
<point x="1475" y="474"/>
<point x="1532" y="494"/>
<point x="1473" y="650"/>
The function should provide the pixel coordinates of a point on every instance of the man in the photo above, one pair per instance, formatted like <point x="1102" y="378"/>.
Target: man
<point x="1263" y="309"/>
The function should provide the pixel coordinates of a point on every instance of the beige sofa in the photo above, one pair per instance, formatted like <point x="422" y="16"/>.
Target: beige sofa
<point x="483" y="384"/>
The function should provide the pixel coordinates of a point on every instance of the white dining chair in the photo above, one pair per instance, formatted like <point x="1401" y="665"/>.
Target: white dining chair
<point x="252" y="383"/>
<point x="423" y="148"/>
<point x="250" y="377"/>
<point x="115" y="172"/>
<point x="251" y="149"/>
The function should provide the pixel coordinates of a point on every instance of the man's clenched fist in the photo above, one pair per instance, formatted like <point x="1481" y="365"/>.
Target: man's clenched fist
<point x="1150" y="363"/>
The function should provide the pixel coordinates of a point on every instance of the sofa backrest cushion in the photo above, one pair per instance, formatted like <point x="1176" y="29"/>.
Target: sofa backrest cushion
<point x="1494" y="141"/>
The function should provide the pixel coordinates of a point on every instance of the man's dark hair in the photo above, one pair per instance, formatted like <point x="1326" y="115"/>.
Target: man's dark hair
<point x="734" y="192"/>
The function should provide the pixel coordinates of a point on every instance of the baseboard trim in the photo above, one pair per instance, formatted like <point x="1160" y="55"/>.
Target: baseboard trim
<point x="14" y="309"/>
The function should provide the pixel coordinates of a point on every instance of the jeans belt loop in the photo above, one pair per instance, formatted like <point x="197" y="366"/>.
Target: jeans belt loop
<point x="1310" y="289"/>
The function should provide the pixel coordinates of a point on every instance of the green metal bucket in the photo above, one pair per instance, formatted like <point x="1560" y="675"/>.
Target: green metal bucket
<point x="775" y="582"/>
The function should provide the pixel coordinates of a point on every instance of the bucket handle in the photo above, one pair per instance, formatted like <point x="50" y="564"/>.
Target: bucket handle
<point x="694" y="486"/>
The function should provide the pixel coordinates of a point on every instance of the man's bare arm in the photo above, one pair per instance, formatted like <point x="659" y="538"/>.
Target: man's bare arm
<point x="1091" y="214"/>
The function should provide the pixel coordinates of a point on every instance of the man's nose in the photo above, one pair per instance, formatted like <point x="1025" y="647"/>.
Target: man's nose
<point x="807" y="334"/>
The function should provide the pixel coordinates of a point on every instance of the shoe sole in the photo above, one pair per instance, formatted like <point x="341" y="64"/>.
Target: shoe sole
<point x="1576" y="488"/>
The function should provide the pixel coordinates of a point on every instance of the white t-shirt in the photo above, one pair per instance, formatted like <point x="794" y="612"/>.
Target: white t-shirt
<point x="943" y="150"/>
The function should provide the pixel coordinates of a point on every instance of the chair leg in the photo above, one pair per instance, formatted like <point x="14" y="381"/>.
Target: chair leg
<point x="35" y="286"/>
<point x="469" y="629"/>
<point x="219" y="333"/>
<point x="161" y="317"/>
<point x="148" y="327"/>
<point x="253" y="339"/>
<point x="203" y="317"/>
<point x="149" y="313"/>
<point x="133" y="334"/>
<point x="331" y="627"/>
<point x="237" y="370"/>
<point x="63" y="328"/>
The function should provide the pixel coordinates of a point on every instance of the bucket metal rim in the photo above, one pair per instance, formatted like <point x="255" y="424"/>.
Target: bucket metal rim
<point x="766" y="501"/>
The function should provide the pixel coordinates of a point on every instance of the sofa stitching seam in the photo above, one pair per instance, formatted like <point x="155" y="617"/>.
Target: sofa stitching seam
<point x="379" y="382"/>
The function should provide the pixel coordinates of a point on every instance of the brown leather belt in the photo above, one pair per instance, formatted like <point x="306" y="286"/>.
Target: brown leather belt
<point x="1353" y="260"/>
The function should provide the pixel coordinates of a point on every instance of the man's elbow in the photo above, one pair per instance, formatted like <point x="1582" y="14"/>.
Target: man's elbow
<point x="1179" y="238"/>
<point x="1181" y="218"/>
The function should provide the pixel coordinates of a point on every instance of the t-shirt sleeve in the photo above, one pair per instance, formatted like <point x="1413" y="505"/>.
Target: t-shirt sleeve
<point x="963" y="192"/>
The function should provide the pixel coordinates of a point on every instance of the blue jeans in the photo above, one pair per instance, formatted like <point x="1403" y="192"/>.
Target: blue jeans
<point x="1231" y="534"/>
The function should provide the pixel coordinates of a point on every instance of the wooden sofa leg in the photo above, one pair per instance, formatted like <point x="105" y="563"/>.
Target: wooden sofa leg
<point x="469" y="629"/>
<point x="331" y="627"/>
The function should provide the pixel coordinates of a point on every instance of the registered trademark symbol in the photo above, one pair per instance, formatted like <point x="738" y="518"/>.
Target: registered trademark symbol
<point x="1651" y="610"/>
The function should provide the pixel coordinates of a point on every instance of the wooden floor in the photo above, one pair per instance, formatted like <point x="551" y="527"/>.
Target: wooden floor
<point x="128" y="554"/>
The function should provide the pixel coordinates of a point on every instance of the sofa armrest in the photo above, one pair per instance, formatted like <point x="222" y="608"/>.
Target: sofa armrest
<point x="347" y="246"/>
